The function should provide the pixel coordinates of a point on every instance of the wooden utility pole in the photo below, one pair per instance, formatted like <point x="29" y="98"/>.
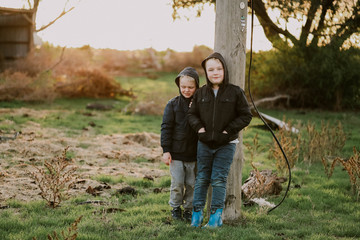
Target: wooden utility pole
<point x="230" y="41"/>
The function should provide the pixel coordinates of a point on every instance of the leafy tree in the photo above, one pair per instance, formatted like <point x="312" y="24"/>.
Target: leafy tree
<point x="318" y="65"/>
<point x="323" y="21"/>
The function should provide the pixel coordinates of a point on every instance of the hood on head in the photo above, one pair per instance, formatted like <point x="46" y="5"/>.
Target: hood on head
<point x="222" y="60"/>
<point x="188" y="71"/>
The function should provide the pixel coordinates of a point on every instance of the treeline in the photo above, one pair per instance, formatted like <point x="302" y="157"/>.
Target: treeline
<point x="313" y="77"/>
<point x="53" y="72"/>
<point x="316" y="77"/>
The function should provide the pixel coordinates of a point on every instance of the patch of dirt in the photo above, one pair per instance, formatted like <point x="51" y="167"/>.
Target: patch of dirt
<point x="93" y="155"/>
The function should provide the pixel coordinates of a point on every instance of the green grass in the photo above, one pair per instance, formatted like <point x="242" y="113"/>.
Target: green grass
<point x="320" y="209"/>
<point x="143" y="87"/>
<point x="349" y="120"/>
<point x="72" y="115"/>
<point x="74" y="120"/>
<point x="317" y="208"/>
<point x="109" y="179"/>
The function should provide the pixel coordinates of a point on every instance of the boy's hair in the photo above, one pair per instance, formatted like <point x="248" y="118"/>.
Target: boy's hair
<point x="214" y="58"/>
<point x="190" y="72"/>
<point x="188" y="77"/>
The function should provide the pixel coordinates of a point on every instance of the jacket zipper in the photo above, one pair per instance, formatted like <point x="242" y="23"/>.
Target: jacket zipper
<point x="213" y="120"/>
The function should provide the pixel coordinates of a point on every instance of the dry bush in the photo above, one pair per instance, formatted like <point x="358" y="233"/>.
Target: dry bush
<point x="37" y="61"/>
<point x="254" y="148"/>
<point x="148" y="61"/>
<point x="14" y="85"/>
<point x="20" y="86"/>
<point x="74" y="59"/>
<point x="90" y="83"/>
<point x="290" y="143"/>
<point x="329" y="141"/>
<point x="352" y="167"/>
<point x="55" y="179"/>
<point x="51" y="72"/>
<point x="176" y="61"/>
<point x="113" y="61"/>
<point x="71" y="233"/>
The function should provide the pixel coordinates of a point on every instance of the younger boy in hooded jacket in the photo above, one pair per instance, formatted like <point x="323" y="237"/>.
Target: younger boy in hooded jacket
<point x="218" y="112"/>
<point x="179" y="141"/>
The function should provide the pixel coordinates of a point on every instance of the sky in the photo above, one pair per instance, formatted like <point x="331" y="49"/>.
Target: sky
<point x="129" y="25"/>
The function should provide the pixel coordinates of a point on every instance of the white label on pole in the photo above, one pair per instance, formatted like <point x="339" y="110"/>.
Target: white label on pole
<point x="242" y="5"/>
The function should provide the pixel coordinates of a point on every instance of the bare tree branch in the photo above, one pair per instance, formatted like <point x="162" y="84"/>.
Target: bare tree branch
<point x="30" y="7"/>
<point x="36" y="5"/>
<point x="53" y="21"/>
<point x="58" y="62"/>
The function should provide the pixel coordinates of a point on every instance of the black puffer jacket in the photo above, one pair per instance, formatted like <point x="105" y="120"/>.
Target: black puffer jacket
<point x="177" y="137"/>
<point x="228" y="111"/>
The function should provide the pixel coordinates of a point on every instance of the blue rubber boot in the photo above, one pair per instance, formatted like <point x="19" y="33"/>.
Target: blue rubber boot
<point x="215" y="219"/>
<point x="197" y="218"/>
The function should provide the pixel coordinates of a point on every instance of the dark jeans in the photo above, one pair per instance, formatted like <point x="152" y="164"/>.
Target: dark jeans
<point x="213" y="167"/>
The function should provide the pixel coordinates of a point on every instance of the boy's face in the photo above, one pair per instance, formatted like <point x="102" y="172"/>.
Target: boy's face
<point x="214" y="71"/>
<point x="187" y="86"/>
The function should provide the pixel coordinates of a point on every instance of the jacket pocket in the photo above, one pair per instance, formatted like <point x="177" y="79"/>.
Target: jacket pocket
<point x="227" y="104"/>
<point x="178" y="146"/>
<point x="204" y="137"/>
<point x="178" y="143"/>
<point x="222" y="138"/>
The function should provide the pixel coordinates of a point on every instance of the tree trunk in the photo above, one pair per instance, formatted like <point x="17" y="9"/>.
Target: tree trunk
<point x="230" y="41"/>
<point x="33" y="27"/>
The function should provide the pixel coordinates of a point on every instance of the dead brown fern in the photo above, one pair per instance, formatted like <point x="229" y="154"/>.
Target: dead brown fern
<point x="352" y="167"/>
<point x="327" y="142"/>
<point x="290" y="143"/>
<point x="71" y="233"/>
<point x="55" y="179"/>
<point x="261" y="187"/>
<point x="254" y="148"/>
<point x="337" y="139"/>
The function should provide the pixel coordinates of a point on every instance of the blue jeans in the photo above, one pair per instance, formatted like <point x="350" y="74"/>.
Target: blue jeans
<point x="213" y="167"/>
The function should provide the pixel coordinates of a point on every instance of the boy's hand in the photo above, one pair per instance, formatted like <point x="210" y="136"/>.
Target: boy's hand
<point x="166" y="158"/>
<point x="201" y="130"/>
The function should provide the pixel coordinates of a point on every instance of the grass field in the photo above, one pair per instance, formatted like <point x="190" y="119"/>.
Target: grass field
<point x="315" y="208"/>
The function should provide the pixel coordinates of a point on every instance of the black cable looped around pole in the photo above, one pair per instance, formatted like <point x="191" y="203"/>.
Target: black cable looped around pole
<point x="262" y="119"/>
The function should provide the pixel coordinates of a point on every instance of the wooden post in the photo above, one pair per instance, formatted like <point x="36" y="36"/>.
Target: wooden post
<point x="230" y="41"/>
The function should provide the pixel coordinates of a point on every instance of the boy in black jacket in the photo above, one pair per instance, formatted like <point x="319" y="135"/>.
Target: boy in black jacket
<point x="179" y="141"/>
<point x="218" y="113"/>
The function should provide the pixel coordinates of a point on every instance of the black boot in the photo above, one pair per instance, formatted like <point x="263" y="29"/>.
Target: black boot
<point x="187" y="215"/>
<point x="176" y="213"/>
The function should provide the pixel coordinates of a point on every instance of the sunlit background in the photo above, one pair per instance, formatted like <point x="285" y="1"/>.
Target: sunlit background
<point x="129" y="25"/>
